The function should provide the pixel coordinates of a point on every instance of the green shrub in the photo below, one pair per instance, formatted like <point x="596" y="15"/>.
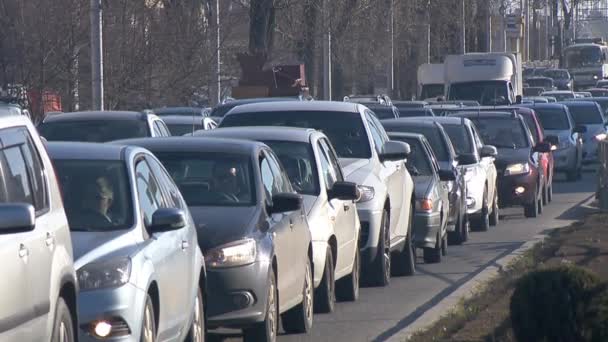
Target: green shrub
<point x="596" y="315"/>
<point x="550" y="305"/>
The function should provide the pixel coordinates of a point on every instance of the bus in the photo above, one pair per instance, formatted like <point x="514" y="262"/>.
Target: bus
<point x="587" y="63"/>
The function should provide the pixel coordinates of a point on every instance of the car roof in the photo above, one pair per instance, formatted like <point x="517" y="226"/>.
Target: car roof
<point x="195" y="144"/>
<point x="14" y="120"/>
<point x="96" y="115"/>
<point x="261" y="133"/>
<point x="578" y="103"/>
<point x="85" y="151"/>
<point x="170" y="110"/>
<point x="294" y="106"/>
<point x="413" y="121"/>
<point x="445" y="120"/>
<point x="181" y="119"/>
<point x="499" y="115"/>
<point x="554" y="105"/>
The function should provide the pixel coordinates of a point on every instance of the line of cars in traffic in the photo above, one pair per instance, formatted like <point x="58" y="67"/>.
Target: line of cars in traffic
<point x="285" y="208"/>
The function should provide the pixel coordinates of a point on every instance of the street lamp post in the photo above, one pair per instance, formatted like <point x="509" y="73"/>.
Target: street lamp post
<point x="96" y="55"/>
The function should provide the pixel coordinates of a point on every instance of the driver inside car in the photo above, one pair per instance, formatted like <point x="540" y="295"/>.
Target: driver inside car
<point x="97" y="201"/>
<point x="225" y="182"/>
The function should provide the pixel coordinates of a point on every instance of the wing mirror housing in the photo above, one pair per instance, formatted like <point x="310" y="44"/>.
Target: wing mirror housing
<point x="167" y="219"/>
<point x="17" y="218"/>
<point x="447" y="175"/>
<point x="542" y="147"/>
<point x="467" y="159"/>
<point x="580" y="129"/>
<point x="346" y="191"/>
<point x="285" y="202"/>
<point x="488" y="151"/>
<point x="394" y="151"/>
<point x="518" y="99"/>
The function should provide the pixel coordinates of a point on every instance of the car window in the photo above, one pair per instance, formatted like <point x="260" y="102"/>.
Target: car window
<point x="148" y="191"/>
<point x="156" y="130"/>
<point x="553" y="119"/>
<point x="586" y="115"/>
<point x="14" y="172"/>
<point x="281" y="182"/>
<point x="299" y="163"/>
<point x="333" y="158"/>
<point x="267" y="178"/>
<point x="460" y="138"/>
<point x="94" y="130"/>
<point x="172" y="196"/>
<point x="532" y="127"/>
<point x="163" y="128"/>
<point x="375" y="132"/>
<point x="477" y="137"/>
<point x="327" y="170"/>
<point x="417" y="162"/>
<point x="502" y="132"/>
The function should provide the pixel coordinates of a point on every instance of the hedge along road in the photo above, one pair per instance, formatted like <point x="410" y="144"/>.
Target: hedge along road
<point x="381" y="313"/>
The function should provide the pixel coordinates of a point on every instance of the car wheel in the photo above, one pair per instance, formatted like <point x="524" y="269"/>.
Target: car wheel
<point x="148" y="325"/>
<point x="531" y="210"/>
<point x="540" y="202"/>
<point x="347" y="288"/>
<point x="299" y="319"/>
<point x="325" y="297"/>
<point x="495" y="216"/>
<point x="405" y="260"/>
<point x="268" y="329"/>
<point x="380" y="272"/>
<point x="444" y="245"/>
<point x="482" y="222"/>
<point x="197" y="328"/>
<point x="63" y="327"/>
<point x="433" y="255"/>
<point x="550" y="192"/>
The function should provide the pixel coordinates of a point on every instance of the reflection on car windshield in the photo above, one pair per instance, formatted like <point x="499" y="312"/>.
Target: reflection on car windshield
<point x="559" y="96"/>
<point x="298" y="160"/>
<point x="487" y="93"/>
<point x="211" y="179"/>
<point x="553" y="119"/>
<point x="460" y="138"/>
<point x="587" y="115"/>
<point x="345" y="130"/>
<point x="417" y="161"/>
<point x="383" y="113"/>
<point x="93" y="130"/>
<point x="501" y="132"/>
<point x="432" y="135"/>
<point x="181" y="129"/>
<point x="96" y="194"/>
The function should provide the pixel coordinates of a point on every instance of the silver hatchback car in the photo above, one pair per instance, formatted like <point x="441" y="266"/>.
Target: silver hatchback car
<point x="140" y="271"/>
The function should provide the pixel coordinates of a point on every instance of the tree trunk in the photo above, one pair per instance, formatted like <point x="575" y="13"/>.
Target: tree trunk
<point x="261" y="27"/>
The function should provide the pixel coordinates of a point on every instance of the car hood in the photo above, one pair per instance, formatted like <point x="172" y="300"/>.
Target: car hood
<point x="91" y="246"/>
<point x="216" y="226"/>
<point x="508" y="156"/>
<point x="422" y="185"/>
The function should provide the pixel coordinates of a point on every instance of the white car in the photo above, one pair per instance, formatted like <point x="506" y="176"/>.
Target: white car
<point x="314" y="172"/>
<point x="368" y="158"/>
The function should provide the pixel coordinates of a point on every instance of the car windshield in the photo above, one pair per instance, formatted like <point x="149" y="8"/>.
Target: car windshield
<point x="501" y="132"/>
<point x="460" y="138"/>
<point x="553" y="119"/>
<point x="96" y="194"/>
<point x="556" y="74"/>
<point x="345" y="130"/>
<point x="487" y="93"/>
<point x="540" y="82"/>
<point x="586" y="115"/>
<point x="211" y="179"/>
<point x="415" y="112"/>
<point x="583" y="56"/>
<point x="431" y="90"/>
<point x="299" y="163"/>
<point x="383" y="112"/>
<point x="560" y="96"/>
<point x="417" y="161"/>
<point x="93" y="130"/>
<point x="181" y="129"/>
<point x="533" y="91"/>
<point x="432" y="135"/>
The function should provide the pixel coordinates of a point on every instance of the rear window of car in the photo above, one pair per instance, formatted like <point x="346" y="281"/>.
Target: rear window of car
<point x="501" y="132"/>
<point x="552" y="119"/>
<point x="431" y="133"/>
<point x="418" y="163"/>
<point x="94" y="130"/>
<point x="586" y="115"/>
<point x="345" y="130"/>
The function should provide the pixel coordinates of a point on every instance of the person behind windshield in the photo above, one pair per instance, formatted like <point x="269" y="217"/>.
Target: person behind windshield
<point x="225" y="183"/>
<point x="97" y="201"/>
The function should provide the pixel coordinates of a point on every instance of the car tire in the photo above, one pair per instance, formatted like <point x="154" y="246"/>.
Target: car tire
<point x="546" y="194"/>
<point x="540" y="203"/>
<point x="325" y="294"/>
<point x="197" y="331"/>
<point x="380" y="269"/>
<point x="482" y="221"/>
<point x="444" y="245"/>
<point x="347" y="288"/>
<point x="550" y="193"/>
<point x="433" y="255"/>
<point x="63" y="327"/>
<point x="495" y="215"/>
<point x="148" y="325"/>
<point x="531" y="210"/>
<point x="299" y="319"/>
<point x="268" y="329"/>
<point x="405" y="260"/>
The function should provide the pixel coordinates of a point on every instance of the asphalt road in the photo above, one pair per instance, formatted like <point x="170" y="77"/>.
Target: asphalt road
<point x="382" y="312"/>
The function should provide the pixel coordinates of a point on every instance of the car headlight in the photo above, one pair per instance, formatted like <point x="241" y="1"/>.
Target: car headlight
<point x="517" y="169"/>
<point x="366" y="193"/>
<point x="99" y="275"/>
<point x="595" y="77"/>
<point x="233" y="254"/>
<point x="600" y="137"/>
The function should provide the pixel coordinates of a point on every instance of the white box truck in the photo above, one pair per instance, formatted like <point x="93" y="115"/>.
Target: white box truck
<point x="489" y="78"/>
<point x="430" y="81"/>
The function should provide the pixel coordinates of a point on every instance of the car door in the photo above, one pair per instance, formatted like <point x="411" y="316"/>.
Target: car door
<point x="163" y="250"/>
<point x="487" y="166"/>
<point x="392" y="171"/>
<point x="442" y="186"/>
<point x="24" y="165"/>
<point x="343" y="212"/>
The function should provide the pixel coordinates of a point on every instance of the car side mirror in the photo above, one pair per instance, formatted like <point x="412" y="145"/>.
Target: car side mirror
<point x="542" y="147"/>
<point x="17" y="218"/>
<point x="580" y="129"/>
<point x="285" y="202"/>
<point x="167" y="219"/>
<point x="394" y="151"/>
<point x="467" y="159"/>
<point x="488" y="151"/>
<point x="518" y="99"/>
<point x="346" y="191"/>
<point x="552" y="139"/>
<point x="447" y="175"/>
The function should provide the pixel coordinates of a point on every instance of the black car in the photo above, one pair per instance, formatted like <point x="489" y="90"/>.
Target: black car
<point x="383" y="111"/>
<point x="561" y="78"/>
<point x="458" y="227"/>
<point x="181" y="111"/>
<point x="251" y="228"/>
<point x="518" y="163"/>
<point x="432" y="197"/>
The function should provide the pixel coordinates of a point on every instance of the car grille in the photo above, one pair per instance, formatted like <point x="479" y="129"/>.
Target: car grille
<point x="364" y="235"/>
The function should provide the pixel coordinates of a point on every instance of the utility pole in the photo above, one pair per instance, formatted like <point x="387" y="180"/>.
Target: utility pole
<point x="327" y="53"/>
<point x="218" y="52"/>
<point x="96" y="55"/>
<point x="463" y="29"/>
<point x="391" y="69"/>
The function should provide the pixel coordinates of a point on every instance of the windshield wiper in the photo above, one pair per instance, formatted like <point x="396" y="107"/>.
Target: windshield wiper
<point x="512" y="146"/>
